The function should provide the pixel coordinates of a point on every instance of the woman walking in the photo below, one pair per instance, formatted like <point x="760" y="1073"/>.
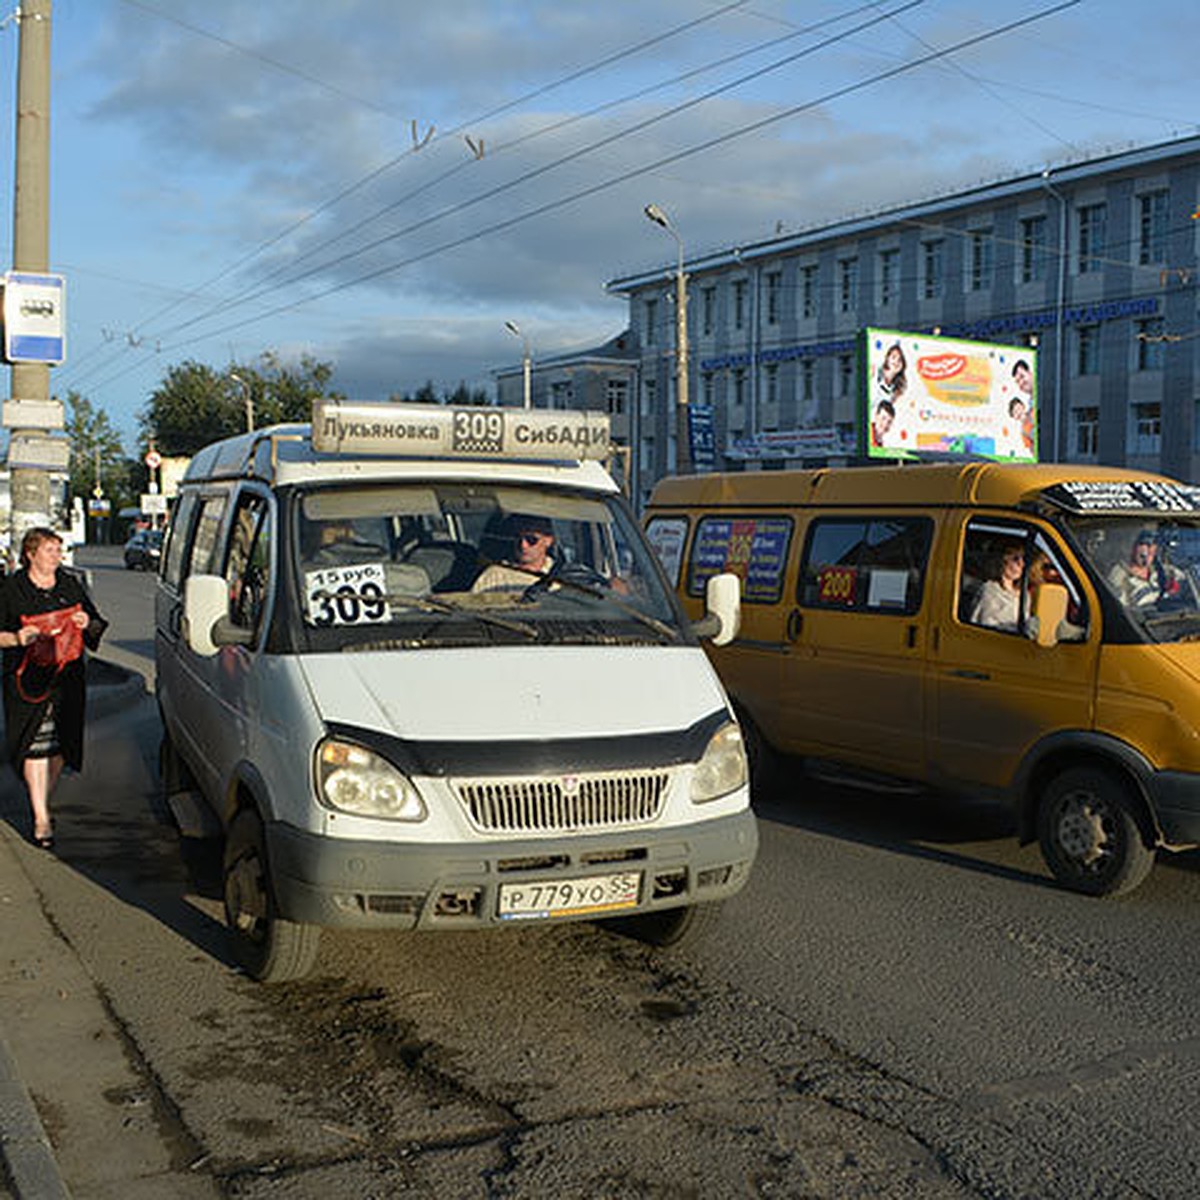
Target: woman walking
<point x="45" y="614"/>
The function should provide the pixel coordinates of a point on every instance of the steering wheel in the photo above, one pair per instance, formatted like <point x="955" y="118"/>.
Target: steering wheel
<point x="569" y="573"/>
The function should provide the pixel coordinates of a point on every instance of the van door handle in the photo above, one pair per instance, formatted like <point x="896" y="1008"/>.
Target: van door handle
<point x="963" y="673"/>
<point x="795" y="622"/>
<point x="912" y="637"/>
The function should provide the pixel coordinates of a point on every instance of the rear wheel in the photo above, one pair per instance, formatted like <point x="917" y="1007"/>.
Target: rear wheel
<point x="267" y="947"/>
<point x="1089" y="833"/>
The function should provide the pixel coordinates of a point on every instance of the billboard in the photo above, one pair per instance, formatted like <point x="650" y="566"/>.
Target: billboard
<point x="933" y="396"/>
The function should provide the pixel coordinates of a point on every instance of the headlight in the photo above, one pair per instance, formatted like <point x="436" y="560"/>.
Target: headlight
<point x="722" y="769"/>
<point x="355" y="780"/>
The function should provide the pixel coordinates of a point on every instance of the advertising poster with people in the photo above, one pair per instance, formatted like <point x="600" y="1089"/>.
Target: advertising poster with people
<point x="935" y="396"/>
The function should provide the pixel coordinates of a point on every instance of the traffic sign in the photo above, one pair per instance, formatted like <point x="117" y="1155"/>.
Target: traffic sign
<point x="153" y="459"/>
<point x="34" y="318"/>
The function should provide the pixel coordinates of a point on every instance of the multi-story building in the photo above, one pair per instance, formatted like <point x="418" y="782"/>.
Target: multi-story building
<point x="1094" y="263"/>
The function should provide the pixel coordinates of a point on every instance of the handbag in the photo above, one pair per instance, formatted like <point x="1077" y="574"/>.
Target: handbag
<point x="60" y="642"/>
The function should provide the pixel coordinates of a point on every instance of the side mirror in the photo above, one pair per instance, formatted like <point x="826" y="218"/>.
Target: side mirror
<point x="206" y="624"/>
<point x="1050" y="610"/>
<point x="723" y="600"/>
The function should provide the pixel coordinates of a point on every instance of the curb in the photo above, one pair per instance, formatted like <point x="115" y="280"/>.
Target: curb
<point x="25" y="1149"/>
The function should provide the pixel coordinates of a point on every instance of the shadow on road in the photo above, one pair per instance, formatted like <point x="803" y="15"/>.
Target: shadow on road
<point x="110" y="827"/>
<point x="901" y="822"/>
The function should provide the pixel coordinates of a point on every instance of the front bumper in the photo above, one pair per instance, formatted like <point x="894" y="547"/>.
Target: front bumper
<point x="388" y="885"/>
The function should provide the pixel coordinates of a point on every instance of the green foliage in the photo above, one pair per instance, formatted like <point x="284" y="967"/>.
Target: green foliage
<point x="95" y="444"/>
<point x="427" y="394"/>
<point x="195" y="404"/>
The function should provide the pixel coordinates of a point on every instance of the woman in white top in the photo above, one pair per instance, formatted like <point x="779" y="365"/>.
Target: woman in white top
<point x="999" y="603"/>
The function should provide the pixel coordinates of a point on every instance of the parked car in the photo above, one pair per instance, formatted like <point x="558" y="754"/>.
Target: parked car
<point x="143" y="550"/>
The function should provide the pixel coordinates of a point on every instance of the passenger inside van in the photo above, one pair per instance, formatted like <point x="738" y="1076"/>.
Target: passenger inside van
<point x="999" y="601"/>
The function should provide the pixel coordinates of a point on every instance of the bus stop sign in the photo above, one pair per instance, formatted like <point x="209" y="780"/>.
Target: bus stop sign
<point x="34" y="318"/>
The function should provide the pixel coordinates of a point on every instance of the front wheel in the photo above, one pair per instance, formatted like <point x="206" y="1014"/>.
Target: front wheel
<point x="1089" y="833"/>
<point x="267" y="947"/>
<point x="668" y="926"/>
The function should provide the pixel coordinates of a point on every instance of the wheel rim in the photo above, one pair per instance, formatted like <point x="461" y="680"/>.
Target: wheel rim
<point x="246" y="898"/>
<point x="1086" y="831"/>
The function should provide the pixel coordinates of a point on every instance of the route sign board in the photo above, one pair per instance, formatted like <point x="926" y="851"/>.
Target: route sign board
<point x="35" y="324"/>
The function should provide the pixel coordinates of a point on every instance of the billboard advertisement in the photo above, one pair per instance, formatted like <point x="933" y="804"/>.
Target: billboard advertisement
<point x="933" y="396"/>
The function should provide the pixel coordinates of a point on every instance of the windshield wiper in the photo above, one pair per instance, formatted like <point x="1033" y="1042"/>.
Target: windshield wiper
<point x="608" y="595"/>
<point x="447" y="608"/>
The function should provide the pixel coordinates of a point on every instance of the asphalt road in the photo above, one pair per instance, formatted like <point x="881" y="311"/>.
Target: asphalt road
<point x="900" y="1004"/>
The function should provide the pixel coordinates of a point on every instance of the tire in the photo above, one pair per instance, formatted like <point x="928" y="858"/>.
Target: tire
<point x="762" y="759"/>
<point x="267" y="947"/>
<point x="1089" y="833"/>
<point x="667" y="926"/>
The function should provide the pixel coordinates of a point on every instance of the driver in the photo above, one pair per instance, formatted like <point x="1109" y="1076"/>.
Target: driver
<point x="529" y="541"/>
<point x="1145" y="579"/>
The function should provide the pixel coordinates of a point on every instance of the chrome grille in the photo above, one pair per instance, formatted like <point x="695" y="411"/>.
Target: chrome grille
<point x="567" y="802"/>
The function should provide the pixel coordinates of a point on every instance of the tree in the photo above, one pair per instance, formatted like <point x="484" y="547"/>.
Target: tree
<point x="95" y="445"/>
<point x="427" y="394"/>
<point x="196" y="405"/>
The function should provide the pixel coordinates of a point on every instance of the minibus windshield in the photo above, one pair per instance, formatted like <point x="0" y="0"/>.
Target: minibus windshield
<point x="1152" y="567"/>
<point x="454" y="564"/>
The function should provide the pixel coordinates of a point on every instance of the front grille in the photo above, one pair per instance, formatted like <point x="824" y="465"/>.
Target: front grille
<point x="568" y="802"/>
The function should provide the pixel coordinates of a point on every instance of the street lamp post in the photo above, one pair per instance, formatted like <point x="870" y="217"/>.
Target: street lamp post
<point x="683" y="446"/>
<point x="247" y="398"/>
<point x="526" y="362"/>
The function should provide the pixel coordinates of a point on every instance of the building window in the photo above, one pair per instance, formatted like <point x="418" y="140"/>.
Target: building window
<point x="848" y="284"/>
<point x="651" y="322"/>
<point x="562" y="394"/>
<point x="739" y="304"/>
<point x="889" y="276"/>
<point x="982" y="258"/>
<point x="1088" y="343"/>
<point x="809" y="281"/>
<point x="1087" y="432"/>
<point x="649" y="402"/>
<point x="1151" y="345"/>
<point x="771" y="384"/>
<point x="739" y="387"/>
<point x="1147" y="429"/>
<point x="932" y="269"/>
<point x="808" y="380"/>
<point x="774" y="296"/>
<point x="845" y="375"/>
<point x="708" y="307"/>
<point x="1092" y="221"/>
<point x="1152" y="247"/>
<point x="708" y="388"/>
<point x="1033" y="249"/>
<point x="616" y="396"/>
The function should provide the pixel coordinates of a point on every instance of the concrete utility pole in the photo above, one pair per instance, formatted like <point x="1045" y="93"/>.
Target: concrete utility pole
<point x="30" y="486"/>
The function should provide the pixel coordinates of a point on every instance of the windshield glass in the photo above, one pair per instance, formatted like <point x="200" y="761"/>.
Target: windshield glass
<point x="455" y="564"/>
<point x="1152" y="567"/>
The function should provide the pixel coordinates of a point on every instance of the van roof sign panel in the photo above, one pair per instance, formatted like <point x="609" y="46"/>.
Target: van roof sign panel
<point x="1125" y="495"/>
<point x="438" y="431"/>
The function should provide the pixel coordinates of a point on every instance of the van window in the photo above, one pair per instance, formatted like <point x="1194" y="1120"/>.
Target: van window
<point x="248" y="569"/>
<point x="181" y="522"/>
<point x="866" y="564"/>
<point x="1003" y="564"/>
<point x="667" y="536"/>
<point x="755" y="549"/>
<point x="204" y="543"/>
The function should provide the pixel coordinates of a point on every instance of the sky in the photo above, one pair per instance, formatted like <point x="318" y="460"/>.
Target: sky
<point x="382" y="184"/>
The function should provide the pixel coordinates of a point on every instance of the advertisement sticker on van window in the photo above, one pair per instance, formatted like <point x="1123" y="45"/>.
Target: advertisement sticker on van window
<point x="752" y="548"/>
<point x="666" y="535"/>
<point x="351" y="595"/>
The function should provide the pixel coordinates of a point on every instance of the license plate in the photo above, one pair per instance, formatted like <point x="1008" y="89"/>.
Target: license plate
<point x="569" y="897"/>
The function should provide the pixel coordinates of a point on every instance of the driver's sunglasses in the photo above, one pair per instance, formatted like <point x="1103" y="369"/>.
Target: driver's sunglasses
<point x="531" y="539"/>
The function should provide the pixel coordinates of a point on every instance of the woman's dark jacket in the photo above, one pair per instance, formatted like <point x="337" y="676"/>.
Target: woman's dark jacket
<point x="19" y="595"/>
